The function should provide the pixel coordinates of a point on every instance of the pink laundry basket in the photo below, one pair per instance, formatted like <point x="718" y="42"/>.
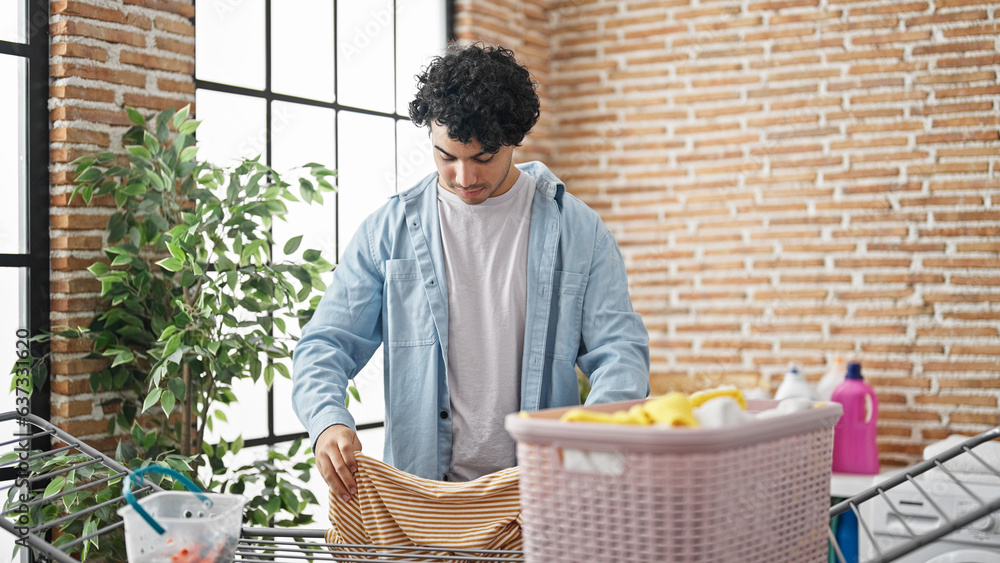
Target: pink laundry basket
<point x="759" y="492"/>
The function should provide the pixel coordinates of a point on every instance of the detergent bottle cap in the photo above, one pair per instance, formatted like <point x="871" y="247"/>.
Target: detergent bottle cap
<point x="793" y="385"/>
<point x="854" y="371"/>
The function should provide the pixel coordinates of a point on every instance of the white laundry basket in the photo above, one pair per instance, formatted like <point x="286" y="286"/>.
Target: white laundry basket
<point x="181" y="526"/>
<point x="599" y="492"/>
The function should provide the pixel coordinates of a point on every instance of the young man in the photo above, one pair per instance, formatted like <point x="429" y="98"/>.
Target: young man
<point x="487" y="284"/>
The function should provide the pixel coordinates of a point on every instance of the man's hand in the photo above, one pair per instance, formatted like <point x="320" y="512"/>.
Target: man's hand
<point x="335" y="449"/>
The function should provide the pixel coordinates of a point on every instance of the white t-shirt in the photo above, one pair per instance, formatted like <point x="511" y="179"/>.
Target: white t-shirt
<point x="485" y="260"/>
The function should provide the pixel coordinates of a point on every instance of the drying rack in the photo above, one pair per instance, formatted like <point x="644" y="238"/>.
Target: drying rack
<point x="276" y="544"/>
<point x="905" y="538"/>
<point x="256" y="543"/>
<point x="260" y="544"/>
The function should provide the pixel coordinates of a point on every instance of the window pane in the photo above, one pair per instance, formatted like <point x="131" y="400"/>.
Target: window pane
<point x="232" y="127"/>
<point x="301" y="134"/>
<point x="366" y="169"/>
<point x="12" y="21"/>
<point x="12" y="154"/>
<point x="420" y="35"/>
<point x="371" y="408"/>
<point x="249" y="455"/>
<point x="364" y="54"/>
<point x="377" y="56"/>
<point x="285" y="421"/>
<point x="230" y="42"/>
<point x="373" y="442"/>
<point x="413" y="154"/>
<point x="302" y="49"/>
<point x="247" y="417"/>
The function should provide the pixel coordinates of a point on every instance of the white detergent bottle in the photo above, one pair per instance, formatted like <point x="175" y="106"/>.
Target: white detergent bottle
<point x="831" y="379"/>
<point x="794" y="385"/>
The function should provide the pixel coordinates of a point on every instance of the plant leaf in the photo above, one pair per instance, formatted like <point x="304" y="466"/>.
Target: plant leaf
<point x="173" y="343"/>
<point x="292" y="245"/>
<point x="177" y="386"/>
<point x="180" y="116"/>
<point x="55" y="486"/>
<point x="135" y="117"/>
<point x="188" y="153"/>
<point x="188" y="127"/>
<point x="168" y="401"/>
<point x="139" y="151"/>
<point x="123" y="357"/>
<point x="121" y="260"/>
<point x="283" y="370"/>
<point x="171" y="264"/>
<point x="88" y="175"/>
<point x="98" y="268"/>
<point x="175" y="251"/>
<point x="150" y="141"/>
<point x="151" y="399"/>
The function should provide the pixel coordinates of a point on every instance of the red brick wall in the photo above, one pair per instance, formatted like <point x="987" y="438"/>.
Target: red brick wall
<point x="521" y="26"/>
<point x="790" y="180"/>
<point x="104" y="54"/>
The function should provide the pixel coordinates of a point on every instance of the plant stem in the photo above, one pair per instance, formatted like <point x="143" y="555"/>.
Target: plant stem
<point x="187" y="423"/>
<point x="187" y="444"/>
<point x="209" y="393"/>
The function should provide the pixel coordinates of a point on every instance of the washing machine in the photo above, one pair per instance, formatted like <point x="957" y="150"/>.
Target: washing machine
<point x="978" y="542"/>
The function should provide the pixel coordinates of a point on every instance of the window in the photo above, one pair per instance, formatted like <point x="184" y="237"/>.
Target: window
<point x="24" y="189"/>
<point x="24" y="178"/>
<point x="318" y="81"/>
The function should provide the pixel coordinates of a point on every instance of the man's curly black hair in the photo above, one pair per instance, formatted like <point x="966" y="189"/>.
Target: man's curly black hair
<point x="477" y="92"/>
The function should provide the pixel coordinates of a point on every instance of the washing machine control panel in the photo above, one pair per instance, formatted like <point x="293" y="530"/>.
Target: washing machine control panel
<point x="914" y="513"/>
<point x="986" y="524"/>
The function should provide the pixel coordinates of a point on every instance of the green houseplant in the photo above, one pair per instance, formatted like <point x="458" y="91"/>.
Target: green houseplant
<point x="191" y="302"/>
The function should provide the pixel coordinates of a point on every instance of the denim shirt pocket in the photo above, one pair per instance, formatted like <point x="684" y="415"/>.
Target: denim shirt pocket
<point x="408" y="321"/>
<point x="567" y="292"/>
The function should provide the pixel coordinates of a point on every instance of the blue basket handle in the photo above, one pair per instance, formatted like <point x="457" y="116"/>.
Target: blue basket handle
<point x="135" y="479"/>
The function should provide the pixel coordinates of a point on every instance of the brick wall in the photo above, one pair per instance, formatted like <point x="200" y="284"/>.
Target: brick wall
<point x="104" y="54"/>
<point x="523" y="27"/>
<point x="790" y="180"/>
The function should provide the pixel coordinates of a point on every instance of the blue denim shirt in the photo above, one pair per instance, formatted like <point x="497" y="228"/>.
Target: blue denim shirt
<point x="389" y="287"/>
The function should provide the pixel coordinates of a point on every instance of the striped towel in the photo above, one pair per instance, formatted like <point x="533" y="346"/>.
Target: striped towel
<point x="394" y="508"/>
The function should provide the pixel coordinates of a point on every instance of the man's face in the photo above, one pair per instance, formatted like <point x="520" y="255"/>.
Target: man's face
<point x="468" y="172"/>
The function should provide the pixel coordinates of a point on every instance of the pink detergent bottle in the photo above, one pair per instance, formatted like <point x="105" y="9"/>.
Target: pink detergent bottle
<point x="854" y="447"/>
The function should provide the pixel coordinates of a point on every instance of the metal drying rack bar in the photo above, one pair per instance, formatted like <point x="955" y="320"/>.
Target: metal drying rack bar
<point x="276" y="544"/>
<point x="28" y="429"/>
<point x="983" y="507"/>
<point x="293" y="545"/>
<point x="256" y="544"/>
